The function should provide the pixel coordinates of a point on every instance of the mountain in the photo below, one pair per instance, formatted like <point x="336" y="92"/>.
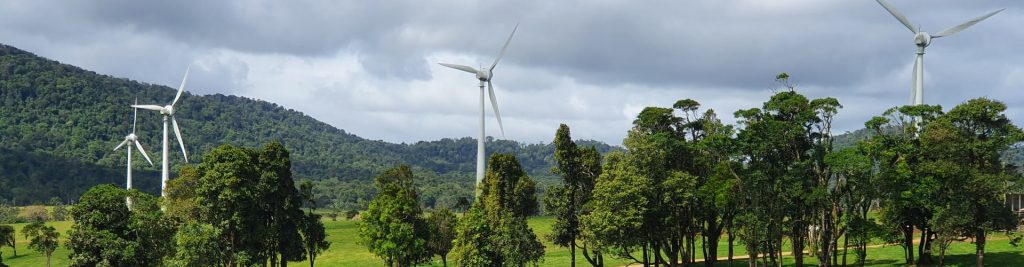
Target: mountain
<point x="58" y="124"/>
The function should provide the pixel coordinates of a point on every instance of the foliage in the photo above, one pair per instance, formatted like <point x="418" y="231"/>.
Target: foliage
<point x="314" y="237"/>
<point x="7" y="238"/>
<point x="43" y="238"/>
<point x="197" y="245"/>
<point x="8" y="213"/>
<point x="34" y="213"/>
<point x="250" y="200"/>
<point x="494" y="231"/>
<point x="579" y="169"/>
<point x="442" y="224"/>
<point x="106" y="233"/>
<point x="392" y="227"/>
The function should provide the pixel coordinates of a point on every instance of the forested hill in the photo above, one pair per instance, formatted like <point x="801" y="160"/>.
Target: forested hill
<point x="58" y="124"/>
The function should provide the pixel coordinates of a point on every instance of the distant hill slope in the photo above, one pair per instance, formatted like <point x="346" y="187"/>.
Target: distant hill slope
<point x="58" y="124"/>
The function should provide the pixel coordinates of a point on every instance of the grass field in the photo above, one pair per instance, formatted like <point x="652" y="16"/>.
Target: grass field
<point x="345" y="251"/>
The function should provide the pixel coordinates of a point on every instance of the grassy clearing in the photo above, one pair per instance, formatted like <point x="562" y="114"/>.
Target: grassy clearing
<point x="345" y="250"/>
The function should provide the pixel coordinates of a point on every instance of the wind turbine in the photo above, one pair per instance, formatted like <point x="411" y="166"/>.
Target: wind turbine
<point x="922" y="40"/>
<point x="168" y="112"/>
<point x="129" y="140"/>
<point x="485" y="76"/>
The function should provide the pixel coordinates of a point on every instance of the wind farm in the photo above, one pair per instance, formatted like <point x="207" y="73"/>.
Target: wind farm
<point x="692" y="133"/>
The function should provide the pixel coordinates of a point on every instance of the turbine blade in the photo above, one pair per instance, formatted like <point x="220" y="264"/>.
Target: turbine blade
<point x="899" y="16"/>
<point x="139" y="145"/>
<point x="149" y="107"/>
<point x="181" y="88"/>
<point x="494" y="104"/>
<point x="177" y="133"/>
<point x="135" y="115"/>
<point x="502" y="53"/>
<point x="460" y="67"/>
<point x="965" y="25"/>
<point x="121" y="144"/>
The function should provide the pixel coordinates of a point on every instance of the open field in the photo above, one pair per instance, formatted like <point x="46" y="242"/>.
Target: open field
<point x="345" y="251"/>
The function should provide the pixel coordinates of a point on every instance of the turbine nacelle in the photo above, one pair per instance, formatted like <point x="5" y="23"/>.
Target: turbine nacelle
<point x="922" y="39"/>
<point x="131" y="137"/>
<point x="167" y="110"/>
<point x="484" y="75"/>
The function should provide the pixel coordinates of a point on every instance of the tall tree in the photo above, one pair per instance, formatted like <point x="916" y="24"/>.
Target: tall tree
<point x="314" y="237"/>
<point x="579" y="169"/>
<point x="281" y="204"/>
<point x="494" y="231"/>
<point x="616" y="218"/>
<point x="392" y="227"/>
<point x="962" y="151"/>
<point x="906" y="195"/>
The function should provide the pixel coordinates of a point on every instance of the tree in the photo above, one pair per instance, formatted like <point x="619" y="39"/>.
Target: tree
<point x="8" y="213"/>
<point x="907" y="197"/>
<point x="494" y="231"/>
<point x="249" y="197"/>
<point x="617" y="208"/>
<point x="314" y="237"/>
<point x="7" y="238"/>
<point x="442" y="223"/>
<point x="44" y="239"/>
<point x="60" y="212"/>
<point x="281" y="205"/>
<point x="962" y="152"/>
<point x="392" y="227"/>
<point x="106" y="233"/>
<point x="579" y="170"/>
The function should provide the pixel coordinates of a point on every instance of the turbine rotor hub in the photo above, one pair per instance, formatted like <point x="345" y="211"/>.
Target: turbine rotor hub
<point x="483" y="75"/>
<point x="922" y="39"/>
<point x="168" y="110"/>
<point x="132" y="137"/>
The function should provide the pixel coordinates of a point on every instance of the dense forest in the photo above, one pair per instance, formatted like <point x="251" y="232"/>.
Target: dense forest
<point x="58" y="124"/>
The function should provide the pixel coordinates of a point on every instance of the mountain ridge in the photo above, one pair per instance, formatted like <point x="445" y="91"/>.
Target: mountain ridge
<point x="73" y="117"/>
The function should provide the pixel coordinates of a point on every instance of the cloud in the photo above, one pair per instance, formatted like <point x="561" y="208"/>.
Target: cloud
<point x="369" y="67"/>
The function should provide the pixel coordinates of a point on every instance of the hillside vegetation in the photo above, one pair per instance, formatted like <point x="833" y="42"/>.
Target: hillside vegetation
<point x="58" y="124"/>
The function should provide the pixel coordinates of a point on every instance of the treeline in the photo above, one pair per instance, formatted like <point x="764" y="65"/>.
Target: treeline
<point x="774" y="182"/>
<point x="775" y="177"/>
<point x="239" y="207"/>
<point x="58" y="124"/>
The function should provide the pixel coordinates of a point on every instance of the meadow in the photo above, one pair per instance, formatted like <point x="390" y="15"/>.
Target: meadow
<point x="346" y="251"/>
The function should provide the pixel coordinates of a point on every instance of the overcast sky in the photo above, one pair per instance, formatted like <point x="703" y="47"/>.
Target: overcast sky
<point x="369" y="67"/>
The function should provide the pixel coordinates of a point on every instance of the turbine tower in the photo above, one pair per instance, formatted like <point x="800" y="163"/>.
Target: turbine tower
<point x="485" y="76"/>
<point x="168" y="112"/>
<point x="922" y="40"/>
<point x="129" y="140"/>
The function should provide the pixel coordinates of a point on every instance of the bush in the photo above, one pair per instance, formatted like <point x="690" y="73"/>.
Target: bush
<point x="350" y="214"/>
<point x="35" y="213"/>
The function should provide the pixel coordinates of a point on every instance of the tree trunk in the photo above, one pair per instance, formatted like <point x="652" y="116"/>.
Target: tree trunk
<point x="908" y="244"/>
<point x="572" y="253"/>
<point x="846" y="243"/>
<point x="980" y="247"/>
<point x="444" y="260"/>
<point x="752" y="260"/>
<point x="646" y="257"/>
<point x="924" y="257"/>
<point x="731" y="238"/>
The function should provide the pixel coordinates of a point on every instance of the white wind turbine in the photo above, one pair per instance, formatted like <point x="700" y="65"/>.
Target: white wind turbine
<point x="485" y="76"/>
<point x="168" y="112"/>
<point x="922" y="40"/>
<point x="129" y="140"/>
